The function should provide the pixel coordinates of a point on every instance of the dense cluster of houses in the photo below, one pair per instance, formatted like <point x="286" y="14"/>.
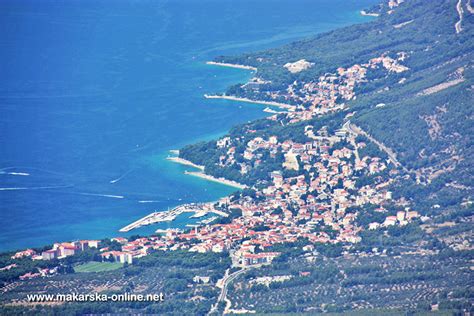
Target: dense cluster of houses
<point x="327" y="93"/>
<point x="313" y="194"/>
<point x="316" y="204"/>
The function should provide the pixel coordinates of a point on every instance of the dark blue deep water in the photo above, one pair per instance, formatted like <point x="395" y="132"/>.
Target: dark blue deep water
<point x="96" y="91"/>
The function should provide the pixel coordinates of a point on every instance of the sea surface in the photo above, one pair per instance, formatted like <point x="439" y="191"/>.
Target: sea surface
<point x="93" y="95"/>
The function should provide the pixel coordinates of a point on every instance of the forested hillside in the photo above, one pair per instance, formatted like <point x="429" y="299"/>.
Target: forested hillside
<point x="424" y="114"/>
<point x="356" y="189"/>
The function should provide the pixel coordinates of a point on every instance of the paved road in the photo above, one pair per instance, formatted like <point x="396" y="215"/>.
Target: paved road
<point x="390" y="153"/>
<point x="458" y="25"/>
<point x="226" y="281"/>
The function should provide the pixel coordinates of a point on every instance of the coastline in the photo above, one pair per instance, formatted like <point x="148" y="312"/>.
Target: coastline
<point x="214" y="63"/>
<point x="214" y="179"/>
<point x="365" y="13"/>
<point x="185" y="162"/>
<point x="201" y="173"/>
<point x="182" y="161"/>
<point x="233" y="98"/>
<point x="269" y="110"/>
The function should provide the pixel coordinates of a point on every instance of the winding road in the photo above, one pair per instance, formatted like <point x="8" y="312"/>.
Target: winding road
<point x="460" y="10"/>
<point x="223" y="295"/>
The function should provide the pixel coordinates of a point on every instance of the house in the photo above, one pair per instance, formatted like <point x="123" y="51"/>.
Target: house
<point x="273" y="140"/>
<point x="120" y="240"/>
<point x="118" y="256"/>
<point x="374" y="225"/>
<point x="412" y="214"/>
<point x="49" y="254"/>
<point x="85" y="244"/>
<point x="223" y="142"/>
<point x="400" y="216"/>
<point x="219" y="247"/>
<point x="201" y="279"/>
<point x="93" y="243"/>
<point x="201" y="248"/>
<point x="248" y="155"/>
<point x="291" y="161"/>
<point x="65" y="249"/>
<point x="251" y="259"/>
<point x="390" y="221"/>
<point x="308" y="248"/>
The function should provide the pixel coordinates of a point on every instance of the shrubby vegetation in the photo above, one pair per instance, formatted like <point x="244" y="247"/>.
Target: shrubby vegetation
<point x="169" y="272"/>
<point x="395" y="270"/>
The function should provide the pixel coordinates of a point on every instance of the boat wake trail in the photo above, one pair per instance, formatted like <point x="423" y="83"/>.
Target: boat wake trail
<point x="3" y="171"/>
<point x="121" y="177"/>
<point x="101" y="195"/>
<point x="113" y="196"/>
<point x="15" y="173"/>
<point x="36" y="188"/>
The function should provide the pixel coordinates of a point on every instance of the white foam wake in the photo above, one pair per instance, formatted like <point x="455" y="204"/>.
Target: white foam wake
<point x="35" y="188"/>
<point x="18" y="173"/>
<point x="102" y="195"/>
<point x="121" y="177"/>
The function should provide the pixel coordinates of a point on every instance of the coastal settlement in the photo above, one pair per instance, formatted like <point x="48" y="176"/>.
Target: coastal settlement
<point x="312" y="196"/>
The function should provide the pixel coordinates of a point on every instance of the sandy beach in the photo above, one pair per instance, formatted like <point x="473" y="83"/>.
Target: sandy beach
<point x="269" y="110"/>
<point x="184" y="162"/>
<point x="364" y="13"/>
<point x="232" y="98"/>
<point x="201" y="173"/>
<point x="219" y="180"/>
<point x="231" y="65"/>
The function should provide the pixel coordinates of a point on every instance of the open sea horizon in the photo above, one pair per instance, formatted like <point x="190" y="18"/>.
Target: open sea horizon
<point x="94" y="94"/>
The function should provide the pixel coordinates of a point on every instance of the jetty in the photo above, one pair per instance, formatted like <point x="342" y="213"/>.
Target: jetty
<point x="208" y="221"/>
<point x="152" y="218"/>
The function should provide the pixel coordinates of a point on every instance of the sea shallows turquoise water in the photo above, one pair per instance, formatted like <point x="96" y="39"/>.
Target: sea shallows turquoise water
<point x="94" y="93"/>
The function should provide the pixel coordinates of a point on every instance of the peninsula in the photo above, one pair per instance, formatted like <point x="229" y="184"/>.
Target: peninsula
<point x="234" y="98"/>
<point x="231" y="65"/>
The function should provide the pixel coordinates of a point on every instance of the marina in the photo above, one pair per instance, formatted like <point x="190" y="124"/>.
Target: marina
<point x="199" y="210"/>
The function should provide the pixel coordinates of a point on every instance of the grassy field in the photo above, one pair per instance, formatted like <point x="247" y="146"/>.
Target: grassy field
<point x="97" y="266"/>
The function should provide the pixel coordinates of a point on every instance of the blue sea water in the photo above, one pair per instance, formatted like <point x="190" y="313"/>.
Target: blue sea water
<point x="97" y="91"/>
